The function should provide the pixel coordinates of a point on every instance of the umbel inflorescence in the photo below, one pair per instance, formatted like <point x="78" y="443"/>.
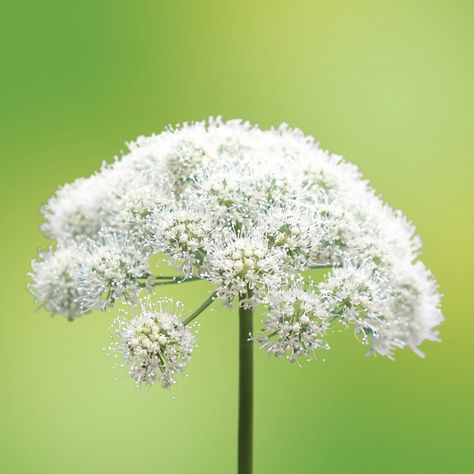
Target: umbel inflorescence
<point x="248" y="210"/>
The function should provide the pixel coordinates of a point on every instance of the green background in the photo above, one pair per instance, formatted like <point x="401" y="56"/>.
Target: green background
<point x="387" y="84"/>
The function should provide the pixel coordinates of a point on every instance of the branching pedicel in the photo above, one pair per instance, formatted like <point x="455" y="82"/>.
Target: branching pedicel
<point x="247" y="210"/>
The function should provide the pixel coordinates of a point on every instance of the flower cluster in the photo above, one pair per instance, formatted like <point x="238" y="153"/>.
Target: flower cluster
<point x="155" y="345"/>
<point x="244" y="265"/>
<point x="248" y="210"/>
<point x="295" y="326"/>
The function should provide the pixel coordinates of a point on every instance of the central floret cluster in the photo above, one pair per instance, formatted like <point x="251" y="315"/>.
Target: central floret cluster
<point x="250" y="211"/>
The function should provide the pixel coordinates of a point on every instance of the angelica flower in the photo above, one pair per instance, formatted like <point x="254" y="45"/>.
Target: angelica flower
<point x="253" y="212"/>
<point x="184" y="162"/>
<point x="247" y="210"/>
<point x="154" y="344"/>
<point x="294" y="326"/>
<point x="131" y="208"/>
<point x="355" y="295"/>
<point x="295" y="230"/>
<point x="182" y="233"/>
<point x="244" y="265"/>
<point x="54" y="281"/>
<point x="74" y="212"/>
<point x="109" y="270"/>
<point x="413" y="310"/>
<point x="240" y="194"/>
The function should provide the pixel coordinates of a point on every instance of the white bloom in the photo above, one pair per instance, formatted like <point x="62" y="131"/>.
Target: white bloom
<point x="294" y="326"/>
<point x="154" y="344"/>
<point x="55" y="284"/>
<point x="186" y="160"/>
<point x="248" y="210"/>
<point x="74" y="212"/>
<point x="131" y="208"/>
<point x="182" y="232"/>
<point x="109" y="270"/>
<point x="244" y="265"/>
<point x="413" y="310"/>
<point x="355" y="295"/>
<point x="295" y="229"/>
<point x="240" y="194"/>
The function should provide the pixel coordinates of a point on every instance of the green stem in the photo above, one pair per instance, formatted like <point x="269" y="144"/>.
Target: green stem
<point x="201" y="308"/>
<point x="175" y="281"/>
<point x="323" y="265"/>
<point x="167" y="277"/>
<point x="245" y="446"/>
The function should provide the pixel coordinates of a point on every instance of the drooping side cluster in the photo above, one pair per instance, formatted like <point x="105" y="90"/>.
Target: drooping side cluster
<point x="247" y="210"/>
<point x="155" y="345"/>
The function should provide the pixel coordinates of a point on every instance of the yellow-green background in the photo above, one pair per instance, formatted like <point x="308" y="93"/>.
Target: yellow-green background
<point x="387" y="84"/>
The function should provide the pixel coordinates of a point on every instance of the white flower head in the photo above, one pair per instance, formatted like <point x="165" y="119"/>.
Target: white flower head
<point x="355" y="295"/>
<point x="182" y="232"/>
<point x="131" y="208"/>
<point x="240" y="194"/>
<point x="413" y="311"/>
<point x="248" y="210"/>
<point x="75" y="211"/>
<point x="244" y="265"/>
<point x="55" y="284"/>
<point x="294" y="327"/>
<point x="294" y="228"/>
<point x="111" y="269"/>
<point x="186" y="160"/>
<point x="154" y="344"/>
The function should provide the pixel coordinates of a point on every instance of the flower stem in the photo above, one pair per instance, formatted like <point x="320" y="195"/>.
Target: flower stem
<point x="245" y="445"/>
<point x="167" y="277"/>
<point x="323" y="265"/>
<point x="201" y="308"/>
<point x="174" y="281"/>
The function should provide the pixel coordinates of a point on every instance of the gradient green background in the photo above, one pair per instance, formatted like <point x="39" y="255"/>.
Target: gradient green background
<point x="387" y="84"/>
